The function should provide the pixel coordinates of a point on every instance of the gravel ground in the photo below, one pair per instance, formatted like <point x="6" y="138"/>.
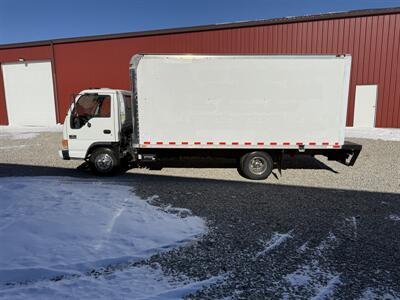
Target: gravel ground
<point x="320" y="230"/>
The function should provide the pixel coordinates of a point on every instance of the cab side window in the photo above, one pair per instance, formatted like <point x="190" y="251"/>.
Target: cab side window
<point x="90" y="106"/>
<point x="105" y="108"/>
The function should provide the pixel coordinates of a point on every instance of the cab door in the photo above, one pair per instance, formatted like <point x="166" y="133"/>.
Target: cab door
<point x="91" y="121"/>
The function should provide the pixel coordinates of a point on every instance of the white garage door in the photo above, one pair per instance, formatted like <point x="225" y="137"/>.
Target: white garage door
<point x="29" y="93"/>
<point x="365" y="106"/>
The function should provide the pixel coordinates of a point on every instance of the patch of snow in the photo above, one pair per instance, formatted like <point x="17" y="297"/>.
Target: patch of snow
<point x="386" y="134"/>
<point x="276" y="240"/>
<point x="372" y="294"/>
<point x="137" y="283"/>
<point x="312" y="276"/>
<point x="51" y="226"/>
<point x="326" y="244"/>
<point x="353" y="221"/>
<point x="303" y="248"/>
<point x="20" y="133"/>
<point x="182" y="290"/>
<point x="182" y="212"/>
<point x="12" y="147"/>
<point x="152" y="199"/>
<point x="328" y="289"/>
<point x="394" y="217"/>
<point x="300" y="277"/>
<point x="18" y="129"/>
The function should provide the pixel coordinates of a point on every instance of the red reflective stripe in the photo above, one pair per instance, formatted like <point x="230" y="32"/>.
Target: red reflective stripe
<point x="246" y="143"/>
<point x="336" y="143"/>
<point x="336" y="146"/>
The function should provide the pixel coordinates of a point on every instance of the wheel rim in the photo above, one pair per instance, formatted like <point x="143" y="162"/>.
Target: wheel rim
<point x="258" y="165"/>
<point x="104" y="162"/>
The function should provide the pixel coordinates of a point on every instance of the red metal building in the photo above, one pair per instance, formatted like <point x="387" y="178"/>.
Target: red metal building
<point x="372" y="37"/>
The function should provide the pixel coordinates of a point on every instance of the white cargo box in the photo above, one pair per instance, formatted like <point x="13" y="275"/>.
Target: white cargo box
<point x="241" y="101"/>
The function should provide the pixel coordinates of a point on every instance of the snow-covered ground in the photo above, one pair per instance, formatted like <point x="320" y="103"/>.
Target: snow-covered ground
<point x="53" y="226"/>
<point x="19" y="133"/>
<point x="139" y="283"/>
<point x="386" y="134"/>
<point x="312" y="276"/>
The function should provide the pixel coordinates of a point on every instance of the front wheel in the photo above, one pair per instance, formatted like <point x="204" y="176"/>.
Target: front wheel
<point x="104" y="161"/>
<point x="256" y="165"/>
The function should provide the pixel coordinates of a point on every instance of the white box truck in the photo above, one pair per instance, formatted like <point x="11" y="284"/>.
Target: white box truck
<point x="248" y="110"/>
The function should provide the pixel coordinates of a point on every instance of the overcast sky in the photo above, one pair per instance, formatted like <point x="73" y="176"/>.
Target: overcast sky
<point x="31" y="20"/>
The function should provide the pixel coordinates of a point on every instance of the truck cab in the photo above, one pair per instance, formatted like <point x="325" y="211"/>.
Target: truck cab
<point x="97" y="127"/>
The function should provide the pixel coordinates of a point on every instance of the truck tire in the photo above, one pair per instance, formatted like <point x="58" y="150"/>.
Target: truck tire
<point x="256" y="165"/>
<point x="239" y="170"/>
<point x="104" y="161"/>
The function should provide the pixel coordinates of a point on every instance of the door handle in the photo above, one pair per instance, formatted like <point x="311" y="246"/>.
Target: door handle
<point x="106" y="131"/>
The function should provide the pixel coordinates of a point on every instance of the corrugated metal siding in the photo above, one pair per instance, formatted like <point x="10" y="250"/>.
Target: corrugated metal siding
<point x="373" y="42"/>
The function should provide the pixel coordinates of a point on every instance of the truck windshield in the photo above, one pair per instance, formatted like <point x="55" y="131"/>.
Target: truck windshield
<point x="90" y="106"/>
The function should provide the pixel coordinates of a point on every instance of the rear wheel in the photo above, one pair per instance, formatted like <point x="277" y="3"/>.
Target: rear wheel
<point x="240" y="172"/>
<point x="256" y="165"/>
<point x="104" y="161"/>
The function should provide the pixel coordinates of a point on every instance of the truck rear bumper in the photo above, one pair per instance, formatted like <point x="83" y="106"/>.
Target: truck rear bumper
<point x="346" y="155"/>
<point x="352" y="150"/>
<point x="64" y="154"/>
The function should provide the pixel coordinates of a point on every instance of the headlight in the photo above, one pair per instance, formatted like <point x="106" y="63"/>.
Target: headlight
<point x="64" y="144"/>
